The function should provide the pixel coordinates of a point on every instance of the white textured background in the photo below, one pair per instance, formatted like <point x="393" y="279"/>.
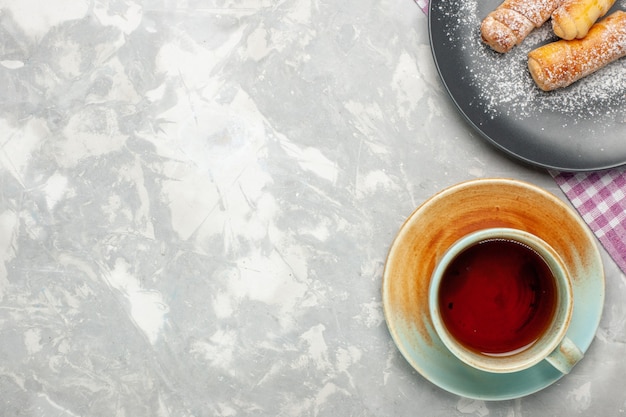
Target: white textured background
<point x="196" y="202"/>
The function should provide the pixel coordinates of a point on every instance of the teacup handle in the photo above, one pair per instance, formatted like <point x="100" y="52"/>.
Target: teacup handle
<point x="564" y="357"/>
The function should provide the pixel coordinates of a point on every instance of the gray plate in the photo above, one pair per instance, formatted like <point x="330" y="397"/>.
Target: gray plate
<point x="578" y="128"/>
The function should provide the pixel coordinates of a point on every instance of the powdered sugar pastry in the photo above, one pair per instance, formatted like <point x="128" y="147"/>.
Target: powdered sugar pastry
<point x="504" y="84"/>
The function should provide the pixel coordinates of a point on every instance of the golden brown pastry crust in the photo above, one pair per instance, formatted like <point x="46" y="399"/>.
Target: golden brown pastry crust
<point x="513" y="20"/>
<point x="559" y="64"/>
<point x="573" y="18"/>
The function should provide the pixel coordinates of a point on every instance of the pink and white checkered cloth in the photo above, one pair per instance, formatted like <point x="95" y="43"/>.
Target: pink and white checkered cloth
<point x="423" y="4"/>
<point x="599" y="197"/>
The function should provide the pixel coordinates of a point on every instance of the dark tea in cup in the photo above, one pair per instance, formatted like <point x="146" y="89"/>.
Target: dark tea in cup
<point x="501" y="301"/>
<point x="497" y="297"/>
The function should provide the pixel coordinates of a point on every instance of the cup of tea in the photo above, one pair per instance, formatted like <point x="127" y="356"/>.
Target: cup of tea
<point x="501" y="301"/>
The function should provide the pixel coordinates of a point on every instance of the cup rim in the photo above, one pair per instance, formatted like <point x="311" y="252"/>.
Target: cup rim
<point x="528" y="357"/>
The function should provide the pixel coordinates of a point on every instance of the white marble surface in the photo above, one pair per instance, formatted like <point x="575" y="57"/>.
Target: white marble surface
<point x="196" y="202"/>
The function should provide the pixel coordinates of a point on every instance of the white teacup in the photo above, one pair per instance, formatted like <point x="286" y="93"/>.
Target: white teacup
<point x="501" y="301"/>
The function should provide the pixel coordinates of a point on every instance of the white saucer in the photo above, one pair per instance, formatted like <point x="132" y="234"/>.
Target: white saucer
<point x="443" y="219"/>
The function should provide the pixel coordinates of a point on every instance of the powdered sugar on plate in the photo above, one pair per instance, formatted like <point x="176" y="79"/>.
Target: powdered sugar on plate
<point x="503" y="83"/>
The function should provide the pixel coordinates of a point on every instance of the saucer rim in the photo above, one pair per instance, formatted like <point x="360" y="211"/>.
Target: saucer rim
<point x="470" y="391"/>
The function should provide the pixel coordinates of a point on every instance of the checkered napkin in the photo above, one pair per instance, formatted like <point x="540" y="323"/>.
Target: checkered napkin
<point x="599" y="197"/>
<point x="423" y="4"/>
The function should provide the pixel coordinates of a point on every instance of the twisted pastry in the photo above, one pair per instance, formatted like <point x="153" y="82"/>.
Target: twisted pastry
<point x="573" y="18"/>
<point x="513" y="20"/>
<point x="561" y="63"/>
